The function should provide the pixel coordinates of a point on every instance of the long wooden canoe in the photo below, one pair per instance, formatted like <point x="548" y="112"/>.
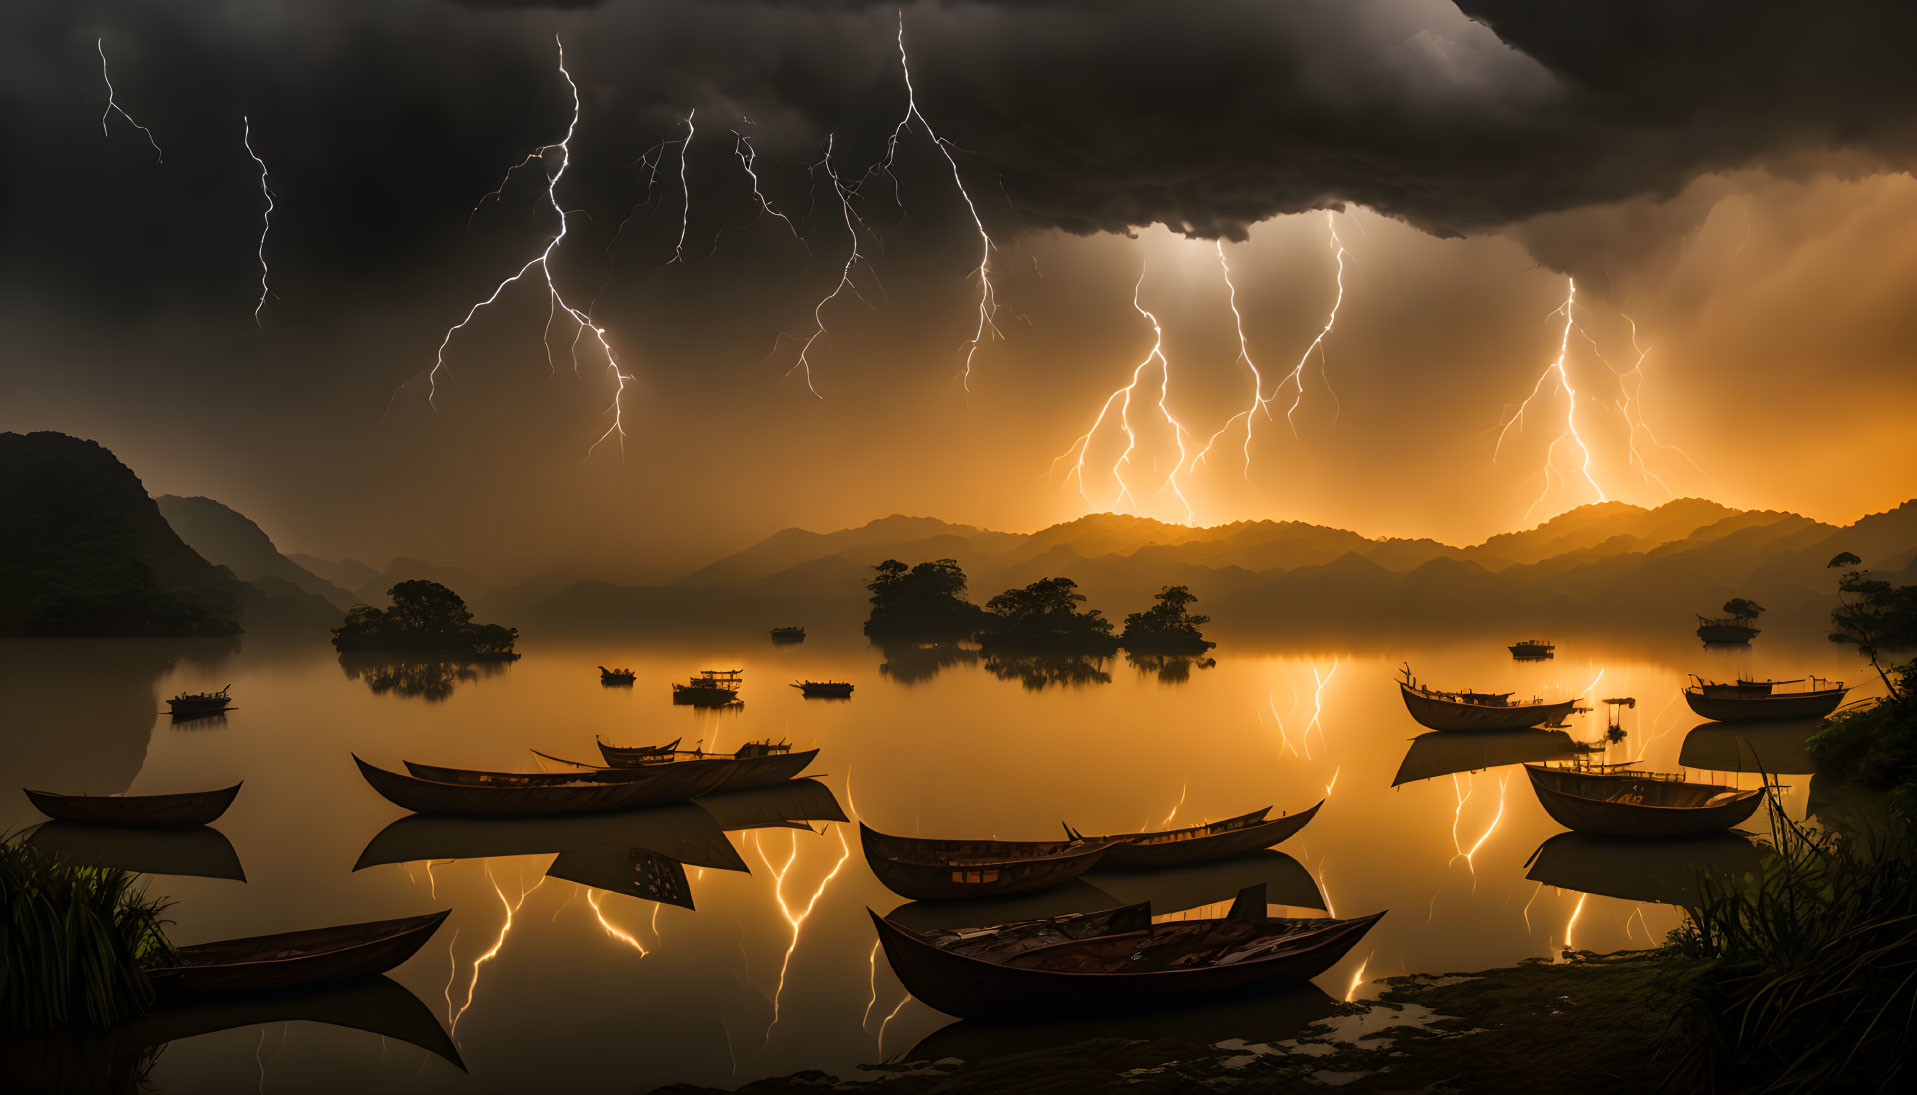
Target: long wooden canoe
<point x="188" y="809"/>
<point x="946" y="870"/>
<point x="318" y="956"/>
<point x="1235" y="836"/>
<point x="480" y="776"/>
<point x="743" y="770"/>
<point x="1112" y="960"/>
<point x="1754" y="705"/>
<point x="526" y="798"/>
<point x="1639" y="804"/>
<point x="1478" y="711"/>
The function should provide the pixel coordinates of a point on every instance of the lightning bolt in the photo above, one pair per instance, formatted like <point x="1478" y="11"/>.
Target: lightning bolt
<point x="1631" y="407"/>
<point x="1182" y="792"/>
<point x="685" y="192"/>
<point x="505" y="929"/>
<point x="988" y="294"/>
<point x="1468" y="854"/>
<point x="795" y="919"/>
<point x="623" y="937"/>
<point x="1258" y="400"/>
<point x="1123" y="397"/>
<point x="1318" y="703"/>
<point x="1571" y="925"/>
<point x="113" y="107"/>
<point x="1556" y="370"/>
<point x="748" y="159"/>
<point x="1357" y="978"/>
<point x="266" y="218"/>
<point x="852" y="260"/>
<point x="543" y="262"/>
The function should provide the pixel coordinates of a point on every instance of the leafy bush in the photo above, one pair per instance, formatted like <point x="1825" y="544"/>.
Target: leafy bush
<point x="1045" y="616"/>
<point x="927" y="600"/>
<point x="75" y="942"/>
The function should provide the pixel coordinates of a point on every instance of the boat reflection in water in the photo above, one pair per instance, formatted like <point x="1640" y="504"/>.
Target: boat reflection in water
<point x="197" y="851"/>
<point x="682" y="831"/>
<point x="1773" y="747"/>
<point x="1443" y="753"/>
<point x="1662" y="871"/>
<point x="1268" y="1016"/>
<point x="118" y="1060"/>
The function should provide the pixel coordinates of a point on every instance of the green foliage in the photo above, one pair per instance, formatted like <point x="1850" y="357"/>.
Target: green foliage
<point x="1874" y="616"/>
<point x="74" y="942"/>
<point x="1807" y="975"/>
<point x="1167" y="625"/>
<point x="926" y="600"/>
<point x="425" y="615"/>
<point x="1045" y="616"/>
<point x="1875" y="746"/>
<point x="1743" y="609"/>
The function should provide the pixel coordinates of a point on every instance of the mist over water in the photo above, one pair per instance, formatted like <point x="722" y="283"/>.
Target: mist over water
<point x="632" y="994"/>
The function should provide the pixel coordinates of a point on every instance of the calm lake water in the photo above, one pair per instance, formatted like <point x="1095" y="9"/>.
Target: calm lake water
<point x="540" y="977"/>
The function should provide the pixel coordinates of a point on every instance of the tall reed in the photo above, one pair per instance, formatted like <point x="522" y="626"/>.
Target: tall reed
<point x="1808" y="978"/>
<point x="75" y="942"/>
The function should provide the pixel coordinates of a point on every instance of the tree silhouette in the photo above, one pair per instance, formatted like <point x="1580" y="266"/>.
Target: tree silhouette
<point x="1743" y="609"/>
<point x="1167" y="625"/>
<point x="924" y="600"/>
<point x="1045" y="615"/>
<point x="1873" y="616"/>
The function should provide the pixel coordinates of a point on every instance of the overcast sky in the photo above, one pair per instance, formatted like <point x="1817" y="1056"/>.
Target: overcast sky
<point x="1725" y="181"/>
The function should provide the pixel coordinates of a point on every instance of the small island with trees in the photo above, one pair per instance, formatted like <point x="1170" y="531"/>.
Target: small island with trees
<point x="426" y="617"/>
<point x="927" y="602"/>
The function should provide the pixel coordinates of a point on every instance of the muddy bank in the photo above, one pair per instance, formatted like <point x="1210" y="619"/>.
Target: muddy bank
<point x="1591" y="1023"/>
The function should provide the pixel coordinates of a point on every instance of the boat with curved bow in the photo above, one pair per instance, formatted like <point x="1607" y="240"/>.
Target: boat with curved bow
<point x="1441" y="710"/>
<point x="1217" y="840"/>
<point x="922" y="869"/>
<point x="317" y="956"/>
<point x="1759" y="701"/>
<point x="1611" y="800"/>
<point x="187" y="810"/>
<point x="521" y="794"/>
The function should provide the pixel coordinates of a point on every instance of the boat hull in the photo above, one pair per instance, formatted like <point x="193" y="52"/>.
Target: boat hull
<point x="1616" y="815"/>
<point x="318" y="956"/>
<point x="974" y="988"/>
<point x="1777" y="706"/>
<point x="535" y="800"/>
<point x="984" y="868"/>
<point x="734" y="773"/>
<point x="1437" y="714"/>
<point x="1726" y="633"/>
<point x="1137" y="853"/>
<point x="186" y="810"/>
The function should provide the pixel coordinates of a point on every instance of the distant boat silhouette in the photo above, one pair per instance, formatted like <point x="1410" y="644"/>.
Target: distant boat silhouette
<point x="1533" y="648"/>
<point x="710" y="688"/>
<point x="788" y="634"/>
<point x="616" y="676"/>
<point x="188" y="705"/>
<point x="831" y="690"/>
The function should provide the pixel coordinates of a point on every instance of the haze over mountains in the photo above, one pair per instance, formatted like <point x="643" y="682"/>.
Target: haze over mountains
<point x="80" y="526"/>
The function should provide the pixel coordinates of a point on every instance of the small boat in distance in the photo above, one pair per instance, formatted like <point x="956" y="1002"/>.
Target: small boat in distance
<point x="188" y="810"/>
<point x="788" y="634"/>
<point x="187" y="705"/>
<point x="1752" y="701"/>
<point x="318" y="956"/>
<point x="1724" y="629"/>
<point x="920" y="869"/>
<point x="831" y="690"/>
<point x="1537" y="649"/>
<point x="710" y="688"/>
<point x="1478" y="710"/>
<point x="617" y="676"/>
<point x="1611" y="800"/>
<point x="1117" y="958"/>
<point x="1241" y="835"/>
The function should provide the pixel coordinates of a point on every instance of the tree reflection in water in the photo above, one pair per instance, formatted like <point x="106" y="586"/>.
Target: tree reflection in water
<point x="429" y="679"/>
<point x="1170" y="668"/>
<point x="911" y="663"/>
<point x="1038" y="671"/>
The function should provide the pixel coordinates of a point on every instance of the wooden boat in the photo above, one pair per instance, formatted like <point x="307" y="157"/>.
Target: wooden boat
<point x="1532" y="648"/>
<point x="1235" y="836"/>
<point x="1725" y="629"/>
<point x="944" y="870"/>
<point x="473" y="776"/>
<point x="1112" y="959"/>
<point x="1611" y="801"/>
<point x="756" y="764"/>
<point x="189" y="704"/>
<point x="1477" y="710"/>
<point x="519" y="795"/>
<point x="831" y="690"/>
<point x="788" y="634"/>
<point x="617" y="676"/>
<point x="710" y="688"/>
<point x="318" y="956"/>
<point x="1749" y="701"/>
<point x="190" y="809"/>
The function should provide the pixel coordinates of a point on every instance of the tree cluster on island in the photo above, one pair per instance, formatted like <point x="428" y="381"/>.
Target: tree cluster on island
<point x="928" y="601"/>
<point x="425" y="616"/>
<point x="1743" y="609"/>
